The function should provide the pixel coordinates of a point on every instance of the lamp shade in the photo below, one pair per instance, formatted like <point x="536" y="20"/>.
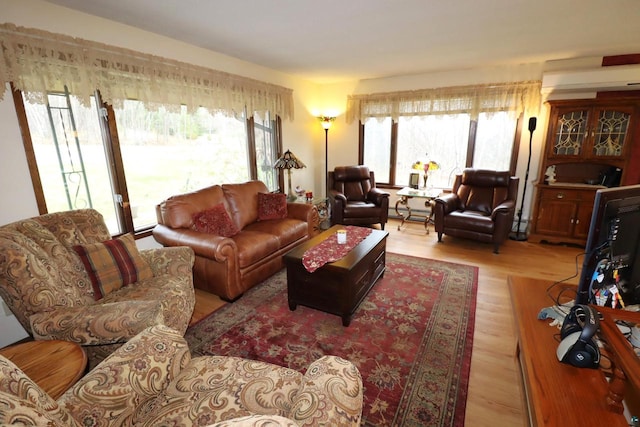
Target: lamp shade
<point x="289" y="161"/>
<point x="326" y="121"/>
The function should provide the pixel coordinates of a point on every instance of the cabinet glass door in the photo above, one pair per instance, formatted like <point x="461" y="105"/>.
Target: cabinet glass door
<point x="610" y="133"/>
<point x="570" y="133"/>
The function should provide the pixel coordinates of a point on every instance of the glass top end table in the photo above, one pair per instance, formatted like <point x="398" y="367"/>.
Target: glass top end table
<point x="408" y="193"/>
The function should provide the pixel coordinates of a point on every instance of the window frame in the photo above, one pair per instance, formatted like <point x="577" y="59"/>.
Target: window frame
<point x="111" y="142"/>
<point x="471" y="142"/>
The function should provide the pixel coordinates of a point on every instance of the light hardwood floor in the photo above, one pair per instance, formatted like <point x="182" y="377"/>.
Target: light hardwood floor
<point x="494" y="397"/>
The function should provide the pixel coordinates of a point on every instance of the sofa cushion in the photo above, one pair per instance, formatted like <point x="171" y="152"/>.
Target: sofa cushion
<point x="254" y="246"/>
<point x="287" y="230"/>
<point x="475" y="221"/>
<point x="272" y="206"/>
<point x="215" y="388"/>
<point x="113" y="264"/>
<point x="242" y="200"/>
<point x="178" y="211"/>
<point x="215" y="220"/>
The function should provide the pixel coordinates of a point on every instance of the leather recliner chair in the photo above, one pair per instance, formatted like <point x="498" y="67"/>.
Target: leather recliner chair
<point x="481" y="206"/>
<point x="354" y="198"/>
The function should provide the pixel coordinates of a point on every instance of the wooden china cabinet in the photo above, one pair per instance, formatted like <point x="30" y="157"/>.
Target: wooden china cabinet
<point x="592" y="144"/>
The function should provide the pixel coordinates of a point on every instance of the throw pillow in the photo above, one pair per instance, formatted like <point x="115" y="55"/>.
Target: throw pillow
<point x="113" y="264"/>
<point x="215" y="221"/>
<point x="272" y="206"/>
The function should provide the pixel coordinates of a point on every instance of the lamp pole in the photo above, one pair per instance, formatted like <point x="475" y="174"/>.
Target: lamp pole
<point x="326" y="121"/>
<point x="326" y="162"/>
<point x="516" y="236"/>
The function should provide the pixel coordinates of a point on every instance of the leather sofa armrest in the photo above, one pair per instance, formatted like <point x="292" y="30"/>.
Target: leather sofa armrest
<point x="337" y="383"/>
<point x="505" y="207"/>
<point x="97" y="324"/>
<point x="448" y="201"/>
<point x="305" y="212"/>
<point x="301" y="211"/>
<point x="337" y="203"/>
<point x="336" y="196"/>
<point x="206" y="245"/>
<point x="128" y="381"/>
<point x="377" y="196"/>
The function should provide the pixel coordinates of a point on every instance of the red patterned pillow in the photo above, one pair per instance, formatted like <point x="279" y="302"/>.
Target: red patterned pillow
<point x="215" y="221"/>
<point x="272" y="206"/>
<point x="113" y="264"/>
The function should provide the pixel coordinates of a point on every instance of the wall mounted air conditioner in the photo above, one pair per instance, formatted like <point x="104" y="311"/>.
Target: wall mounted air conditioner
<point x="619" y="77"/>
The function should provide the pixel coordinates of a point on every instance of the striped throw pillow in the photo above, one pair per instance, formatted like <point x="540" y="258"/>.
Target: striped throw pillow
<point x="113" y="264"/>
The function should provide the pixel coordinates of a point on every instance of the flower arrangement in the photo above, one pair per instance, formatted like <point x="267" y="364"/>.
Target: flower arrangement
<point x="426" y="167"/>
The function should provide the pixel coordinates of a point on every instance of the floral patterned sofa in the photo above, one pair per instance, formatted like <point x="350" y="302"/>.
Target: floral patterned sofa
<point x="153" y="381"/>
<point x="60" y="281"/>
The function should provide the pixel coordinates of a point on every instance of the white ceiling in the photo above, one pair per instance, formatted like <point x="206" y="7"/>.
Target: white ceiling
<point x="335" y="40"/>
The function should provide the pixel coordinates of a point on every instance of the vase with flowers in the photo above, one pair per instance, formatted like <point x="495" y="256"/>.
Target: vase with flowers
<point x="425" y="168"/>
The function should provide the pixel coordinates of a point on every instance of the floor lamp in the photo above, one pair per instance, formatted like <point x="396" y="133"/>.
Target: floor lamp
<point x="517" y="236"/>
<point x="326" y="121"/>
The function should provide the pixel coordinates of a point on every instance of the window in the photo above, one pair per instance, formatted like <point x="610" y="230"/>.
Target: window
<point x="494" y="142"/>
<point x="139" y="157"/>
<point x="442" y="139"/>
<point x="265" y="137"/>
<point x="377" y="155"/>
<point x="453" y="141"/>
<point x="166" y="153"/>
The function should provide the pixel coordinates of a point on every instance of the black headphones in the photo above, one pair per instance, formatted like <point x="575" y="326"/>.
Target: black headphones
<point x="578" y="348"/>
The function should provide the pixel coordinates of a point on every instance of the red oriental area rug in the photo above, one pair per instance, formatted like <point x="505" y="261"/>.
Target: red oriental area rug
<point x="411" y="338"/>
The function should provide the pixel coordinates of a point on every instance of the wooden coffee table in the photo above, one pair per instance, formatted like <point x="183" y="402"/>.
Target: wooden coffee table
<point x="53" y="365"/>
<point x="338" y="287"/>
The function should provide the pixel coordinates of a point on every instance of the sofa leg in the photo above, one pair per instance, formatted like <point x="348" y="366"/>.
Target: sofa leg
<point x="231" y="300"/>
<point x="496" y="248"/>
<point x="439" y="236"/>
<point x="382" y="226"/>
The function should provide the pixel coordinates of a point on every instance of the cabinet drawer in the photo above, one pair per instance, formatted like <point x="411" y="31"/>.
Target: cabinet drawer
<point x="566" y="194"/>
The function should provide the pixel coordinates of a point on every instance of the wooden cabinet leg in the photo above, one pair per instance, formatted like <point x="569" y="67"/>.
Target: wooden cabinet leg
<point x="616" y="391"/>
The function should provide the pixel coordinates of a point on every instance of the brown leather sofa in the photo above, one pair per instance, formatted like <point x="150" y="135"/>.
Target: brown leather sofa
<point x="229" y="266"/>
<point x="354" y="198"/>
<point x="481" y="206"/>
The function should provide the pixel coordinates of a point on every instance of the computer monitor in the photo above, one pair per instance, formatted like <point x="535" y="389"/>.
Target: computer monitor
<point x="612" y="256"/>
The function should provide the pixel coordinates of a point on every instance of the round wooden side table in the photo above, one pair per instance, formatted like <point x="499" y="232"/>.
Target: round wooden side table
<point x="53" y="365"/>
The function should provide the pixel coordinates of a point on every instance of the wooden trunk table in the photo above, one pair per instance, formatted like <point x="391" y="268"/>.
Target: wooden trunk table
<point x="53" y="365"/>
<point x="338" y="287"/>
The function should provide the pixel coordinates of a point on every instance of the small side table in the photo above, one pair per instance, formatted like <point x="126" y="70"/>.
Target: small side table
<point x="408" y="193"/>
<point x="322" y="204"/>
<point x="53" y="365"/>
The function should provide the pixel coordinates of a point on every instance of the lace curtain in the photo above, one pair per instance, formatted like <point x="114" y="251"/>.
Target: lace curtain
<point x="37" y="61"/>
<point x="515" y="97"/>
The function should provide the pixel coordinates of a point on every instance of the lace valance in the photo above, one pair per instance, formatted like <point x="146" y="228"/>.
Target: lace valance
<point x="514" y="97"/>
<point x="37" y="61"/>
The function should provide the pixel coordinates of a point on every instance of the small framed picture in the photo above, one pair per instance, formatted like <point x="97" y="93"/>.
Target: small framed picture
<point x="414" y="180"/>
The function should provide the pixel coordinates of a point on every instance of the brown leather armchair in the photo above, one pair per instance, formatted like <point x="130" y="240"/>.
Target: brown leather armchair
<point x="354" y="198"/>
<point x="480" y="207"/>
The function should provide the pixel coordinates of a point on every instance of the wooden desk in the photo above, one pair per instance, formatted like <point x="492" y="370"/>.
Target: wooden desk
<point x="556" y="394"/>
<point x="53" y="365"/>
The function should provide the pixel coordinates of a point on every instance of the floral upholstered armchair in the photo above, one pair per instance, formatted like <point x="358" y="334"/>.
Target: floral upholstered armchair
<point x="153" y="381"/>
<point x="64" y="277"/>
